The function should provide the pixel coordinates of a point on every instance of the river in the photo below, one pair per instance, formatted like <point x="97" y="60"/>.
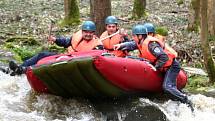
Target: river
<point x="19" y="103"/>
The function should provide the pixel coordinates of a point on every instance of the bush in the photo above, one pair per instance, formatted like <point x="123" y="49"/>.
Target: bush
<point x="162" y="31"/>
<point x="179" y="2"/>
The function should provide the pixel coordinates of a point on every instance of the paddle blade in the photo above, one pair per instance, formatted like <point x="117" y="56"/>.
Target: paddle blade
<point x="195" y="71"/>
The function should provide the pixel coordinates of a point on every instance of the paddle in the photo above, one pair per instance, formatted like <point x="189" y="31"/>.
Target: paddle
<point x="49" y="34"/>
<point x="195" y="71"/>
<point x="50" y="27"/>
<point x="102" y="39"/>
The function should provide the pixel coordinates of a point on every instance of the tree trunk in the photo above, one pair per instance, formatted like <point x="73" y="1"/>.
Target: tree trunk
<point x="138" y="9"/>
<point x="194" y="15"/>
<point x="71" y="10"/>
<point x="99" y="10"/>
<point x="211" y="17"/>
<point x="208" y="61"/>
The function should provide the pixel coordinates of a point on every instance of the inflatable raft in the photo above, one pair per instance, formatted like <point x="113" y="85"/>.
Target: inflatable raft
<point x="96" y="74"/>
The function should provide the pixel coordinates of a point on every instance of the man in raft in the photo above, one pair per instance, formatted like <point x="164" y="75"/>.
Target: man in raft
<point x="163" y="59"/>
<point x="112" y="27"/>
<point x="83" y="40"/>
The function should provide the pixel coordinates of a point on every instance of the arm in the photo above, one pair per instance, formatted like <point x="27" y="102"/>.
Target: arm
<point x="99" y="47"/>
<point x="63" y="41"/>
<point x="125" y="39"/>
<point x="159" y="53"/>
<point x="127" y="46"/>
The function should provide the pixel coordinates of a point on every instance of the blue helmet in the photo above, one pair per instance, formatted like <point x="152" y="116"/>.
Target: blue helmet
<point x="89" y="25"/>
<point x="111" y="20"/>
<point x="139" y="29"/>
<point x="150" y="27"/>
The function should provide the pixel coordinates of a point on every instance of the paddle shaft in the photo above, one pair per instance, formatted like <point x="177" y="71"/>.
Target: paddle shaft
<point x="50" y="29"/>
<point x="102" y="39"/>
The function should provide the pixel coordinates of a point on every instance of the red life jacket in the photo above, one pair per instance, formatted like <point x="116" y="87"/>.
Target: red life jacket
<point x="79" y="44"/>
<point x="145" y="52"/>
<point x="110" y="42"/>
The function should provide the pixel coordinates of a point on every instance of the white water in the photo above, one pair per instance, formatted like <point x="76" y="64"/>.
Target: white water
<point x="19" y="103"/>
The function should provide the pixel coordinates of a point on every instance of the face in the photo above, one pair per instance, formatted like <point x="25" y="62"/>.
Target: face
<point x="87" y="35"/>
<point x="137" y="37"/>
<point x="151" y="34"/>
<point x="111" y="28"/>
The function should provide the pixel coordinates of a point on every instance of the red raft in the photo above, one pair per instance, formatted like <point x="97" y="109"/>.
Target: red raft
<point x="96" y="74"/>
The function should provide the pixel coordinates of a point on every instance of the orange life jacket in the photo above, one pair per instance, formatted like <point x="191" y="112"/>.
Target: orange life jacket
<point x="163" y="39"/>
<point x="145" y="52"/>
<point x="110" y="42"/>
<point x="79" y="44"/>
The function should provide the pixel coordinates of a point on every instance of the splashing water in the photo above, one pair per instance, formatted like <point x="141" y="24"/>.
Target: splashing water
<point x="204" y="109"/>
<point x="18" y="102"/>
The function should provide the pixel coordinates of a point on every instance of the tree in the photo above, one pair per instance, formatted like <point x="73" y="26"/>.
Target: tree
<point x="211" y="17"/>
<point x="208" y="60"/>
<point x="71" y="10"/>
<point x="194" y="15"/>
<point x="138" y="9"/>
<point x="99" y="10"/>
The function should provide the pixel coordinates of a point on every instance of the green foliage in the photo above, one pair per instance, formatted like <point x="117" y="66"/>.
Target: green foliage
<point x="22" y="52"/>
<point x="211" y="38"/>
<point x="23" y="47"/>
<point x="198" y="81"/>
<point x="179" y="2"/>
<point x="198" y="84"/>
<point x="162" y="31"/>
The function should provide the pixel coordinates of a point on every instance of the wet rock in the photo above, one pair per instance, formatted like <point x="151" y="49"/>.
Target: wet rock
<point x="211" y="93"/>
<point x="147" y="113"/>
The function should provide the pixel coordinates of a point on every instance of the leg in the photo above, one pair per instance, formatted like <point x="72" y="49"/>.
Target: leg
<point x="18" y="70"/>
<point x="169" y="84"/>
<point x="36" y="58"/>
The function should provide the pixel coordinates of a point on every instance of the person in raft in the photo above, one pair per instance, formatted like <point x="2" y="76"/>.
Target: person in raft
<point x="151" y="31"/>
<point x="112" y="27"/>
<point x="163" y="59"/>
<point x="83" y="40"/>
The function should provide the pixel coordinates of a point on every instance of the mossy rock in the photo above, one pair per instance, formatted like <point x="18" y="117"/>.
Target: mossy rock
<point x="23" y="41"/>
